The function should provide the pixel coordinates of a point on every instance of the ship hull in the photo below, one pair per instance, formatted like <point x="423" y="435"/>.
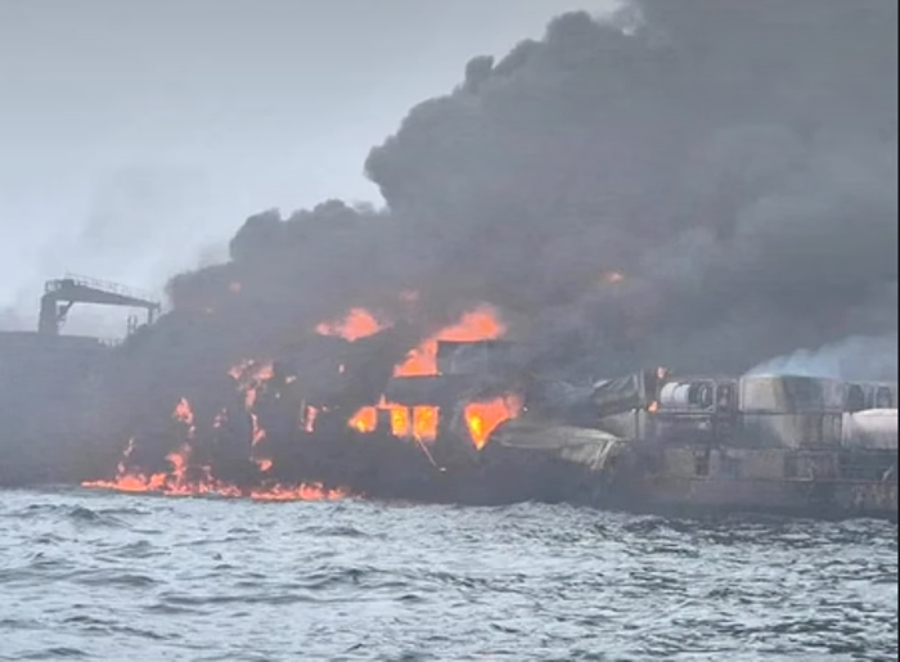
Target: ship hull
<point x="699" y="479"/>
<point x="817" y="499"/>
<point x="820" y="482"/>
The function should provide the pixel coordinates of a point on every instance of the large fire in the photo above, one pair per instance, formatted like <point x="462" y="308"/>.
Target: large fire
<point x="421" y="422"/>
<point x="358" y="323"/>
<point x="187" y="475"/>
<point x="482" y="418"/>
<point x="479" y="324"/>
<point x="365" y="420"/>
<point x="183" y="479"/>
<point x="425" y="422"/>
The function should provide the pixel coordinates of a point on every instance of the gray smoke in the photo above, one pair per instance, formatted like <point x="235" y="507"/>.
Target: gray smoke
<point x="858" y="358"/>
<point x="736" y="161"/>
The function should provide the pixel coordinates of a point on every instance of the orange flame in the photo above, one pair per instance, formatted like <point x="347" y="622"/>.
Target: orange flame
<point x="425" y="423"/>
<point x="358" y="323"/>
<point x="365" y="420"/>
<point x="482" y="418"/>
<point x="179" y="461"/>
<point x="182" y="480"/>
<point x="479" y="324"/>
<point x="400" y="423"/>
<point x="177" y="483"/>
<point x="167" y="485"/>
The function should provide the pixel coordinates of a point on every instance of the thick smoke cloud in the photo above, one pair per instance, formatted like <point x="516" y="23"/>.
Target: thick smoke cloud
<point x="735" y="161"/>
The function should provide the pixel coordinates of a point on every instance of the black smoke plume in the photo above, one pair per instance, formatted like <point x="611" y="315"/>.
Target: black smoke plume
<point x="735" y="162"/>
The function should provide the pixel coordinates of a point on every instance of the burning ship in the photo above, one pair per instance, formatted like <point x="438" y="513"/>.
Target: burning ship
<point x="772" y="443"/>
<point x="449" y="421"/>
<point x="681" y="184"/>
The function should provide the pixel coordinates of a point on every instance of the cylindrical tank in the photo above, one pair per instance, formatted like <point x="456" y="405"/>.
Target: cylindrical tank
<point x="870" y="429"/>
<point x="674" y="394"/>
<point x="682" y="395"/>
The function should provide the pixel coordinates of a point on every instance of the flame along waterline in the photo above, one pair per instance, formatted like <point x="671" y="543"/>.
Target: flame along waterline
<point x="417" y="423"/>
<point x="184" y="480"/>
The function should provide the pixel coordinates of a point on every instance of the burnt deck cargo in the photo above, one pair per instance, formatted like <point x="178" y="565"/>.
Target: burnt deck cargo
<point x="647" y="441"/>
<point x="774" y="444"/>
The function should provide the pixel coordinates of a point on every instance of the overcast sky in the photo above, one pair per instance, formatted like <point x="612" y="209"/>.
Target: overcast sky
<point x="136" y="136"/>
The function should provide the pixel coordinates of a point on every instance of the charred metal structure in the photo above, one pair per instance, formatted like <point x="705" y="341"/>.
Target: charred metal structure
<point x="649" y="441"/>
<point x="773" y="443"/>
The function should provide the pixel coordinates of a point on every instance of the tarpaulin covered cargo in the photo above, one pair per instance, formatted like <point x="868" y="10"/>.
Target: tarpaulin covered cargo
<point x="584" y="446"/>
<point x="560" y="401"/>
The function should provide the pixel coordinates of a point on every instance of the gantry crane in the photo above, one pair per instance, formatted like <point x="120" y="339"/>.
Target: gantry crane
<point x="62" y="293"/>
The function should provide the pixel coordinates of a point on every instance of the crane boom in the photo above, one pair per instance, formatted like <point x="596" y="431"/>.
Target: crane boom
<point x="62" y="293"/>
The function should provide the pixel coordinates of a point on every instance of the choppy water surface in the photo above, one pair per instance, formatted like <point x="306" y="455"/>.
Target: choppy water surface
<point x="114" y="577"/>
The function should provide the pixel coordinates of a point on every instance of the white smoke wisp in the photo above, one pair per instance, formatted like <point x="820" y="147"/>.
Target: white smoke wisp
<point x="858" y="358"/>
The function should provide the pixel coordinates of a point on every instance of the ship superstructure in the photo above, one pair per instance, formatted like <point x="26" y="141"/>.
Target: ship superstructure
<point x="51" y="383"/>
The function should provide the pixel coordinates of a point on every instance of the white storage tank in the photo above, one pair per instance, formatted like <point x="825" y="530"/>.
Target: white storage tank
<point x="870" y="429"/>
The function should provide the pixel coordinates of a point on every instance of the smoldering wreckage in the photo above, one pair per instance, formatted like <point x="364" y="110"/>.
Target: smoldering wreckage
<point x="594" y="204"/>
